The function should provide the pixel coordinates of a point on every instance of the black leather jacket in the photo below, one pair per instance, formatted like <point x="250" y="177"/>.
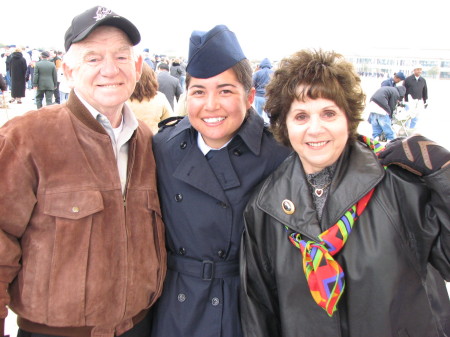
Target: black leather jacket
<point x="390" y="260"/>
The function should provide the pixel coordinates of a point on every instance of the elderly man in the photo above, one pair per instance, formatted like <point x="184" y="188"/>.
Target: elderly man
<point x="81" y="234"/>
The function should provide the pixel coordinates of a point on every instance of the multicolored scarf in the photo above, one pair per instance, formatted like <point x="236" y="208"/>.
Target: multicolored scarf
<point x="323" y="273"/>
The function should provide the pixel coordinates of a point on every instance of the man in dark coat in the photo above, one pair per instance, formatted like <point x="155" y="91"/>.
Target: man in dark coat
<point x="416" y="94"/>
<point x="381" y="107"/>
<point x="207" y="166"/>
<point x="168" y="84"/>
<point x="44" y="80"/>
<point x="18" y="69"/>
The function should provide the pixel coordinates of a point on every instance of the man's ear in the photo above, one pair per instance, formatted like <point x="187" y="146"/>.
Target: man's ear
<point x="68" y="74"/>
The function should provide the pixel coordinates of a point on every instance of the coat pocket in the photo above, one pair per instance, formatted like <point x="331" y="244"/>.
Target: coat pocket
<point x="73" y="212"/>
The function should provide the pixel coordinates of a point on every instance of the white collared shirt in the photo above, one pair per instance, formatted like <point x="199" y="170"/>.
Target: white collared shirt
<point x="119" y="136"/>
<point x="206" y="148"/>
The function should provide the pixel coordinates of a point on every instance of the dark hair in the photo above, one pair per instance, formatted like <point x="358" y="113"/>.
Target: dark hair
<point x="147" y="85"/>
<point x="243" y="71"/>
<point x="163" y="65"/>
<point x="322" y="74"/>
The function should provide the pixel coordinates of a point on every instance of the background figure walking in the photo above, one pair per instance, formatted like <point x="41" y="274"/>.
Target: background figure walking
<point x="45" y="79"/>
<point x="168" y="84"/>
<point x="260" y="79"/>
<point x="18" y="69"/>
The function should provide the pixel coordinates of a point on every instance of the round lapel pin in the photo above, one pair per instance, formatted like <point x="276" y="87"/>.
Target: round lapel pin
<point x="288" y="206"/>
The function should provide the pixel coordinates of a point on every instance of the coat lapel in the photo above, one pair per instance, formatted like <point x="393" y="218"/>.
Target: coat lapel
<point x="356" y="174"/>
<point x="289" y="183"/>
<point x="193" y="169"/>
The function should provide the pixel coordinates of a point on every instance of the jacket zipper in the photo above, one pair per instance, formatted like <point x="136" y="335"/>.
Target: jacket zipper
<point x="131" y="155"/>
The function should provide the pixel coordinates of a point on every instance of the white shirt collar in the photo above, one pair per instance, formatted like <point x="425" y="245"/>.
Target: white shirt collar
<point x="129" y="120"/>
<point x="206" y="148"/>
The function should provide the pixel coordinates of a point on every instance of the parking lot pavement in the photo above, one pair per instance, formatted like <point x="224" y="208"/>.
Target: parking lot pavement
<point x="14" y="109"/>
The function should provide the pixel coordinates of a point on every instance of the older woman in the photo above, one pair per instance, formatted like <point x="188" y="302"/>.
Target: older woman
<point x="335" y="244"/>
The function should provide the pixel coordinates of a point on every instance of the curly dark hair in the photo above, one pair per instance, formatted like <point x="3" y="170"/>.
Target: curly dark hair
<point x="321" y="74"/>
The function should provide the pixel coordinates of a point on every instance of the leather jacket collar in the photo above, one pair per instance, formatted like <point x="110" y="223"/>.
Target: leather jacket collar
<point x="357" y="172"/>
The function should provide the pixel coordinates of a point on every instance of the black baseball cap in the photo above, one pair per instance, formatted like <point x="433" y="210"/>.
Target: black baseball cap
<point x="84" y="23"/>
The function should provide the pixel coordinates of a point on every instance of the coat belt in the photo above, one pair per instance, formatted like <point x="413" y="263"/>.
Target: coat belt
<point x="205" y="270"/>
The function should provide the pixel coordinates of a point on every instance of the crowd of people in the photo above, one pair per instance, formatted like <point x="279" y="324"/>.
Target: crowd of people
<point x="216" y="223"/>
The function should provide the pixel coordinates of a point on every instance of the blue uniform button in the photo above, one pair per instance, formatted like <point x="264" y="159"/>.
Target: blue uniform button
<point x="215" y="301"/>
<point x="222" y="204"/>
<point x="221" y="254"/>
<point x="183" y="145"/>
<point x="181" y="297"/>
<point x="178" y="197"/>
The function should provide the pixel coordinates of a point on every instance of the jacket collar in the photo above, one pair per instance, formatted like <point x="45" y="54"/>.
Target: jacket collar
<point x="357" y="172"/>
<point x="250" y="131"/>
<point x="82" y="113"/>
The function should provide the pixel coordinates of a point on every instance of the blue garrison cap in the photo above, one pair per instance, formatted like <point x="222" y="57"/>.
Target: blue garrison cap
<point x="213" y="52"/>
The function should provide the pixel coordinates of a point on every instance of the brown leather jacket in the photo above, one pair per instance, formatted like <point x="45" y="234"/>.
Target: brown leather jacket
<point x="74" y="252"/>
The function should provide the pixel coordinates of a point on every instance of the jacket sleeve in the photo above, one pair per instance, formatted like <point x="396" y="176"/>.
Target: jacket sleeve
<point x="438" y="211"/>
<point x="17" y="200"/>
<point x="258" y="302"/>
<point x="36" y="76"/>
<point x="425" y="93"/>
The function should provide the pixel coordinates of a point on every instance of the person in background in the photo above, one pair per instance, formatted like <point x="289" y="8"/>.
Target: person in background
<point x="3" y="86"/>
<point x="208" y="163"/>
<point x="29" y="75"/>
<point x="168" y="85"/>
<point x="335" y="244"/>
<point x="18" y="69"/>
<point x="175" y="69"/>
<point x="147" y="59"/>
<point x="63" y="86"/>
<point x="44" y="80"/>
<point x="148" y="104"/>
<point x="260" y="80"/>
<point x="7" y="63"/>
<point x="393" y="81"/>
<point x="81" y="235"/>
<point x="56" y="58"/>
<point x="381" y="107"/>
<point x="416" y="95"/>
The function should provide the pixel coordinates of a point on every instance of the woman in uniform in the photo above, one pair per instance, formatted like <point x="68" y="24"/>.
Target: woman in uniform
<point x="208" y="164"/>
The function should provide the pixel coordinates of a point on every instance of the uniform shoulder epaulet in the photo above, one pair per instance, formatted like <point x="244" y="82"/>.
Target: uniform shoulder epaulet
<point x="171" y="121"/>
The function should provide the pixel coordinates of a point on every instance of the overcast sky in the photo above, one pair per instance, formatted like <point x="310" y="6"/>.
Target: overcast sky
<point x="264" y="28"/>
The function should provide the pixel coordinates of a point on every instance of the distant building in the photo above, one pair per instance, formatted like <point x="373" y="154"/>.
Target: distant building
<point x="385" y="62"/>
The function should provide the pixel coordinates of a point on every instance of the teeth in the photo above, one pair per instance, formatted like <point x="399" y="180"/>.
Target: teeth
<point x="110" y="86"/>
<point x="317" y="144"/>
<point x="213" y="120"/>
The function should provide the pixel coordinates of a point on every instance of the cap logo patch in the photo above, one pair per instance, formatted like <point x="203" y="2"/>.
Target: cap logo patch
<point x="102" y="12"/>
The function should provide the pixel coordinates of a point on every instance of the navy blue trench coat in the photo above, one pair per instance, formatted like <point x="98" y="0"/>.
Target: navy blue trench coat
<point x="202" y="204"/>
